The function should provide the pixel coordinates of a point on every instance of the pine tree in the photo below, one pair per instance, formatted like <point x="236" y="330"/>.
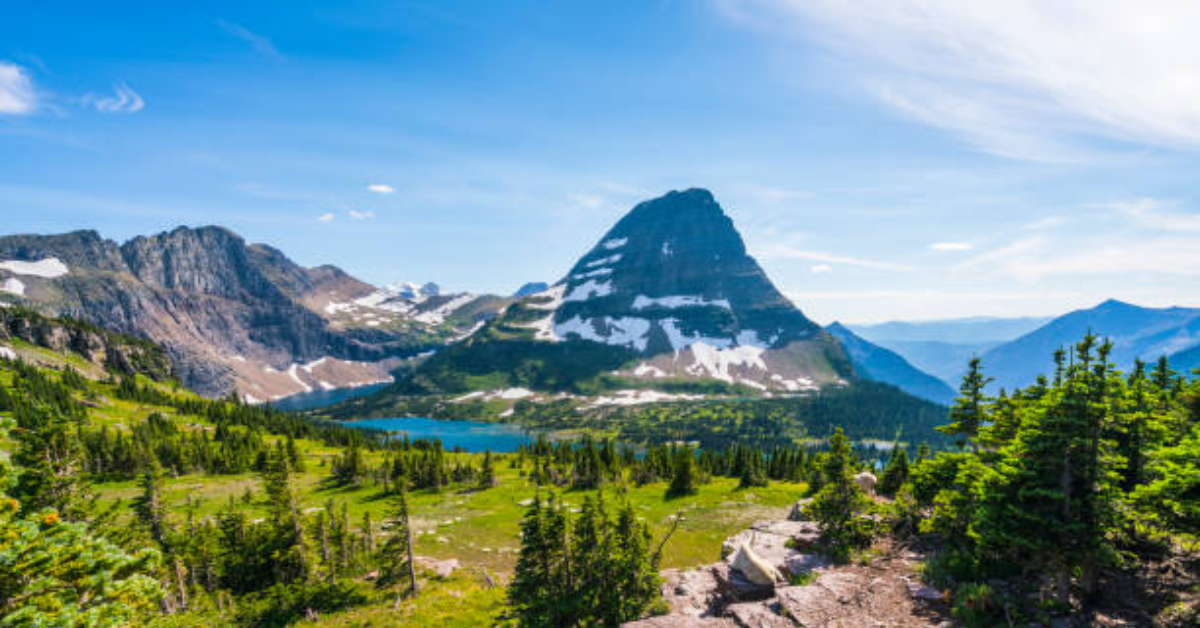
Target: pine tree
<point x="838" y="505"/>
<point x="149" y="506"/>
<point x="683" y="473"/>
<point x="396" y="561"/>
<point x="969" y="414"/>
<point x="487" y="473"/>
<point x="895" y="474"/>
<point x="288" y="530"/>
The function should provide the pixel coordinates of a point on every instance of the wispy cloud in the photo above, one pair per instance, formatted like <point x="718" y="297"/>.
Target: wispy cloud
<point x="1037" y="257"/>
<point x="360" y="215"/>
<point x="326" y="217"/>
<point x="787" y="251"/>
<point x="381" y="188"/>
<point x="17" y="96"/>
<point x="1153" y="213"/>
<point x="950" y="246"/>
<point x="123" y="100"/>
<point x="821" y="269"/>
<point x="259" y="43"/>
<point x="1026" y="79"/>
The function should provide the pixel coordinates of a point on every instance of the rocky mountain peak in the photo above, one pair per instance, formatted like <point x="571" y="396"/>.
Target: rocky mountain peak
<point x="673" y="272"/>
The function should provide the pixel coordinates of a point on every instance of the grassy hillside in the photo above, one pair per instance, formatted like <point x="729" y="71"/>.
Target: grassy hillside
<point x="478" y="528"/>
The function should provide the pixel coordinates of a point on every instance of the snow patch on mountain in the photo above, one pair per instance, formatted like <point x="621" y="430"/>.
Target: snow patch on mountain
<point x="599" y="272"/>
<point x="639" y="397"/>
<point x="627" y="331"/>
<point x="603" y="261"/>
<point x="680" y="341"/>
<point x="438" y="315"/>
<point x="614" y="243"/>
<point x="48" y="268"/>
<point x="589" y="289"/>
<point x="12" y="285"/>
<point x="715" y="362"/>
<point x="641" y="302"/>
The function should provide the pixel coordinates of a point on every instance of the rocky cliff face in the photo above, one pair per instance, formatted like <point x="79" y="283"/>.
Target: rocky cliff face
<point x="103" y="348"/>
<point x="232" y="316"/>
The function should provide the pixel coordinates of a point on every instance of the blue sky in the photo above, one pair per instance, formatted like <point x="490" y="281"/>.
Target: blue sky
<point x="883" y="159"/>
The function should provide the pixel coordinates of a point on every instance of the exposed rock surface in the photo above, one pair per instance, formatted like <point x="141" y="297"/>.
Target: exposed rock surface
<point x="116" y="352"/>
<point x="884" y="593"/>
<point x="232" y="316"/>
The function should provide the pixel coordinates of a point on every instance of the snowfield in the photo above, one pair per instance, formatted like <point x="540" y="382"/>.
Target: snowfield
<point x="614" y="243"/>
<point x="603" y="261"/>
<point x="641" y="302"/>
<point x="626" y="331"/>
<point x="12" y="285"/>
<point x="48" y="268"/>
<point x="589" y="289"/>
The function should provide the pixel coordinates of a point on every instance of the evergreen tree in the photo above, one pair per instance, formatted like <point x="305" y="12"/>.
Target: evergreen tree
<point x="968" y="414"/>
<point x="895" y="474"/>
<point x="838" y="506"/>
<point x="683" y="473"/>
<point x="149" y="506"/>
<point x="487" y="472"/>
<point x="293" y="563"/>
<point x="396" y="561"/>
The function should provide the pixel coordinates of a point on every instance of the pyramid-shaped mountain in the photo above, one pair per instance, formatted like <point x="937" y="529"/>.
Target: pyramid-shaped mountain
<point x="668" y="293"/>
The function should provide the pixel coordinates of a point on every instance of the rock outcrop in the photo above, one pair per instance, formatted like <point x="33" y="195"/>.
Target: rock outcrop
<point x="734" y="593"/>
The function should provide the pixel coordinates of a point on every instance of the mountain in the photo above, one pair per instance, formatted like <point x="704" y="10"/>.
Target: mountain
<point x="942" y="348"/>
<point x="946" y="361"/>
<point x="876" y="363"/>
<point x="669" y="294"/>
<point x="232" y="316"/>
<point x="972" y="330"/>
<point x="1136" y="332"/>
<point x="532" y="287"/>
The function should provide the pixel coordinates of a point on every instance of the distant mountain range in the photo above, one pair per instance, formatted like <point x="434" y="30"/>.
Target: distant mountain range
<point x="876" y="363"/>
<point x="1136" y="332"/>
<point x="942" y="348"/>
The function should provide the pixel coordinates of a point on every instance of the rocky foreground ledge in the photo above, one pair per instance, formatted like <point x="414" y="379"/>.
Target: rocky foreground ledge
<point x="769" y="577"/>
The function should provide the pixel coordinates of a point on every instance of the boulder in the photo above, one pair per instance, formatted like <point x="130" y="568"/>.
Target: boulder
<point x="758" y="615"/>
<point x="797" y="511"/>
<point x="756" y="569"/>
<point x="774" y="549"/>
<point x="825" y="602"/>
<point x="441" y="568"/>
<point x="735" y="587"/>
<point x="866" y="481"/>
<point x="691" y="591"/>
<point x="681" y="621"/>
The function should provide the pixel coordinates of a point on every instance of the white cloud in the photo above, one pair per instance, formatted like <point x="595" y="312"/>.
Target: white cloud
<point x="381" y="188"/>
<point x="326" y="217"/>
<point x="786" y="251"/>
<point x="820" y="269"/>
<point x="1037" y="257"/>
<point x="950" y="246"/>
<point x="1153" y="213"/>
<point x="1025" y="78"/>
<point x="261" y="44"/>
<point x="123" y="100"/>
<point x="587" y="201"/>
<point x="357" y="215"/>
<point x="16" y="90"/>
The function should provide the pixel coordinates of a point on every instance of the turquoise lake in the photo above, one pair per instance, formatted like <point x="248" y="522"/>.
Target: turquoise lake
<point x="466" y="435"/>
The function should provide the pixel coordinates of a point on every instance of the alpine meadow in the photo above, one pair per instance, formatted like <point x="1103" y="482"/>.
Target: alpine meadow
<point x="743" y="314"/>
